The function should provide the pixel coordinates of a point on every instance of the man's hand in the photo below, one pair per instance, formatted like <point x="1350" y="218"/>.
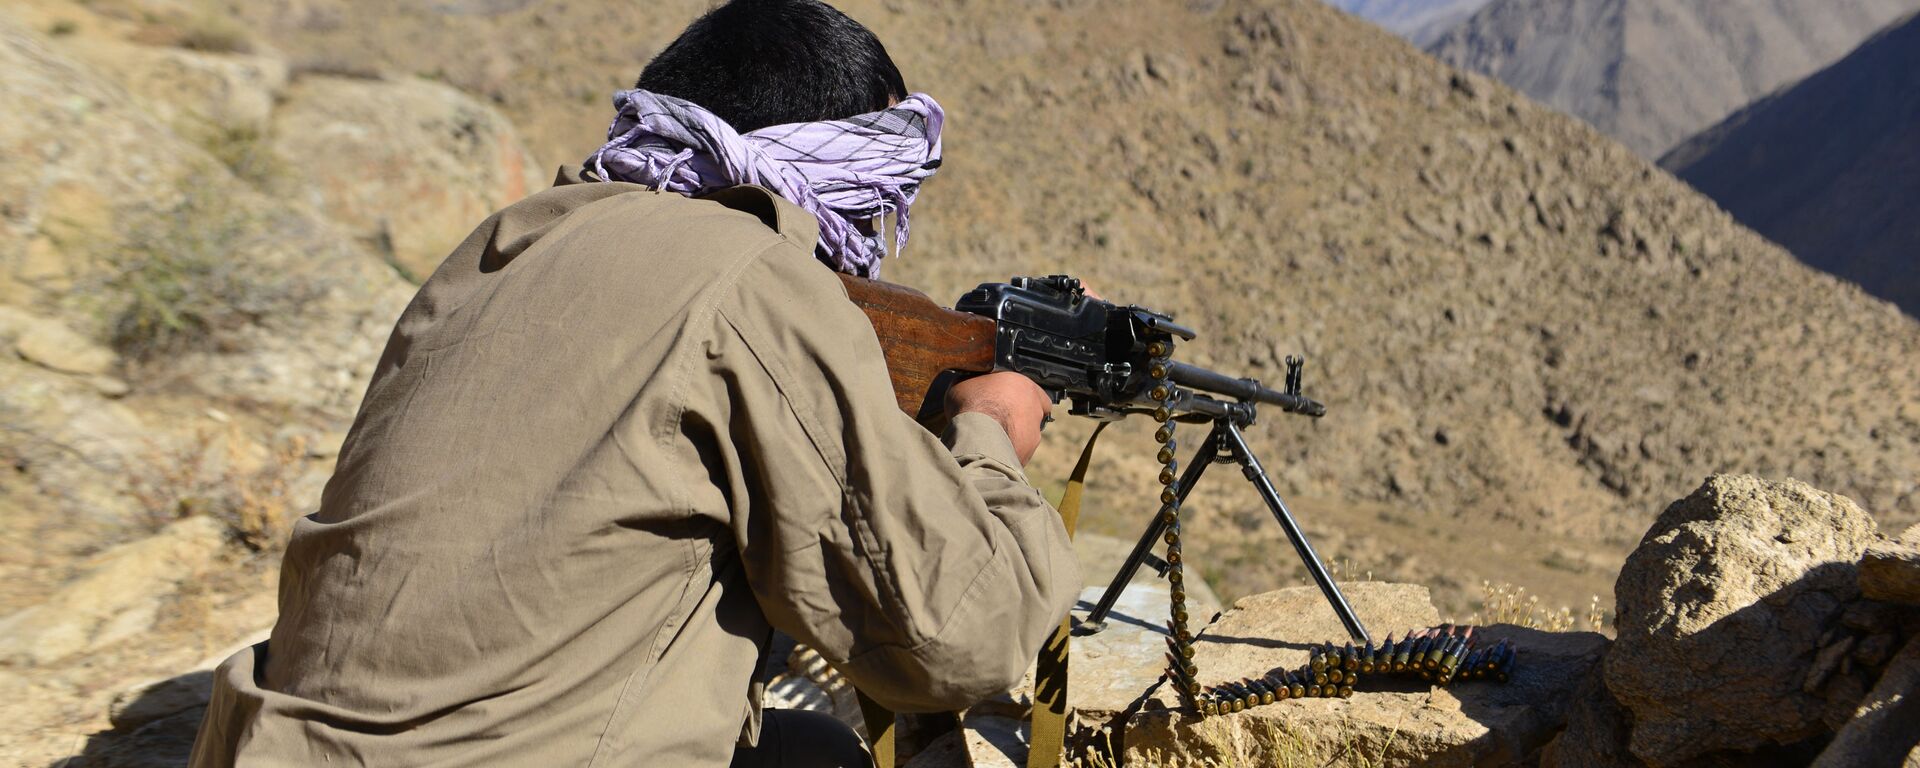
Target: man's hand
<point x="1011" y="399"/>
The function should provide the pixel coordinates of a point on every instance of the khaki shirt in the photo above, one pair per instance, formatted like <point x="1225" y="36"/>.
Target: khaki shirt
<point x="616" y="437"/>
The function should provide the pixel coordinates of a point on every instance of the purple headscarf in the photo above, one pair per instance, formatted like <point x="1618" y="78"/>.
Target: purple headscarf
<point x="842" y="171"/>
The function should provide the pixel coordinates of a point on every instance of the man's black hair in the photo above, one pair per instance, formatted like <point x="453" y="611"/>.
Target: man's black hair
<point x="757" y="63"/>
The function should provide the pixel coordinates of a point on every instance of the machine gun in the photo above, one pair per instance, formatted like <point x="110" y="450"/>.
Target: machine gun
<point x="1108" y="361"/>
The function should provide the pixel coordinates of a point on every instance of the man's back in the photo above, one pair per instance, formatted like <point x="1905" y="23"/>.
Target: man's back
<point x="615" y="435"/>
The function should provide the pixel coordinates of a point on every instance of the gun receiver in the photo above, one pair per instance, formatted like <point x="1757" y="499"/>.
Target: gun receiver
<point x="1105" y="358"/>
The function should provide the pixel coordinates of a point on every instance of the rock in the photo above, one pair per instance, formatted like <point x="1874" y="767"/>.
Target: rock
<point x="1885" y="730"/>
<point x="55" y="346"/>
<point x="1390" y="721"/>
<point x="198" y="94"/>
<point x="1112" y="669"/>
<point x="1597" y="730"/>
<point x="1890" y="570"/>
<point x="1720" y="608"/>
<point x="117" y="598"/>
<point x="410" y="166"/>
<point x="13" y="322"/>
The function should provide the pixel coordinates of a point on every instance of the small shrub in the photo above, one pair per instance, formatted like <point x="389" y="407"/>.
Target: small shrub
<point x="243" y="149"/>
<point x="252" y="499"/>
<point x="186" y="278"/>
<point x="62" y="28"/>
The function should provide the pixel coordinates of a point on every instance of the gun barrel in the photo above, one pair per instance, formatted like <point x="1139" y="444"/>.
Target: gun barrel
<point x="1242" y="389"/>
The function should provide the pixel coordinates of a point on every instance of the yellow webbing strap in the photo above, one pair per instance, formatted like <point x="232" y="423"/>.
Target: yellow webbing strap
<point x="1049" y="731"/>
<point x="1049" y="735"/>
<point x="879" y="729"/>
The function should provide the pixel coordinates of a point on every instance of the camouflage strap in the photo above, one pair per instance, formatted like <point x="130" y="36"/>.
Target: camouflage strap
<point x="1049" y="732"/>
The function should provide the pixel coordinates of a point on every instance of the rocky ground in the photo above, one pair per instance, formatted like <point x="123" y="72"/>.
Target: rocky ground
<point x="1530" y="339"/>
<point x="201" y="253"/>
<point x="1528" y="336"/>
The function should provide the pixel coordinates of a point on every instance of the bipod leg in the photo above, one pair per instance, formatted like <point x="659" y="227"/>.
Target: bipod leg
<point x="1250" y="466"/>
<point x="1097" y="619"/>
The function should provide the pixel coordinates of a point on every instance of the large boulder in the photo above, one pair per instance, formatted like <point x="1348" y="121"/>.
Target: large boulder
<point x="1389" y="721"/>
<point x="1722" y="611"/>
<point x="409" y="166"/>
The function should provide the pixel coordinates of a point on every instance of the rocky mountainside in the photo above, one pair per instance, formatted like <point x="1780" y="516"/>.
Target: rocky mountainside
<point x="190" y="303"/>
<point x="1524" y="331"/>
<point x="1829" y="167"/>
<point x="1530" y="339"/>
<point x="1420" y="21"/>
<point x="1651" y="73"/>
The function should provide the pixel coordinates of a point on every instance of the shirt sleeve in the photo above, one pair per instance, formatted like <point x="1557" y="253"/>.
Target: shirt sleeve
<point x="929" y="571"/>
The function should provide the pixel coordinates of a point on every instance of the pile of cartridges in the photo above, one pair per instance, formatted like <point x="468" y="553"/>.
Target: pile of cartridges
<point x="1438" y="655"/>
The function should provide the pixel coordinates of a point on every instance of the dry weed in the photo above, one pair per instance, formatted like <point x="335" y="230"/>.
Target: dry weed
<point x="186" y="277"/>
<point x="1505" y="603"/>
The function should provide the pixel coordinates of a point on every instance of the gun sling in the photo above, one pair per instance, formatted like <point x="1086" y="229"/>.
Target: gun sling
<point x="1049" y="731"/>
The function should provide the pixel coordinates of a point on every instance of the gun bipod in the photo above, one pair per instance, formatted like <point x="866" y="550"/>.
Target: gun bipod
<point x="1223" y="443"/>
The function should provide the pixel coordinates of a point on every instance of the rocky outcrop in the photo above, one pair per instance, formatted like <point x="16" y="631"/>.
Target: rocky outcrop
<point x="1719" y="610"/>
<point x="199" y="95"/>
<point x="50" y="344"/>
<point x="1386" y="722"/>
<point x="408" y="166"/>
<point x="1886" y="729"/>
<point x="1596" y="733"/>
<point x="1890" y="570"/>
<point x="118" y="598"/>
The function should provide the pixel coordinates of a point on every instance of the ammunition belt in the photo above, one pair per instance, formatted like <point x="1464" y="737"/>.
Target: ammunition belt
<point x="1438" y="655"/>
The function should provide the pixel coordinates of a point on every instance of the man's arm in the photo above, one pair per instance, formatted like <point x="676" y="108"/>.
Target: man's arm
<point x="928" y="573"/>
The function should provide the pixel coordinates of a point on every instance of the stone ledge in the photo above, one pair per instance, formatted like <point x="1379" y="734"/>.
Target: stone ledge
<point x="1391" y="721"/>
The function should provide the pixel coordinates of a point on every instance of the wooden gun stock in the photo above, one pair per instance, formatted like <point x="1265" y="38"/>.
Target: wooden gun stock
<point x="921" y="341"/>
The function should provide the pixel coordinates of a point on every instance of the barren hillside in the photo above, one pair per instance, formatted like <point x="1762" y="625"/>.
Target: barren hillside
<point x="1524" y="331"/>
<point x="1530" y="339"/>
<point x="1829" y="168"/>
<point x="1651" y="73"/>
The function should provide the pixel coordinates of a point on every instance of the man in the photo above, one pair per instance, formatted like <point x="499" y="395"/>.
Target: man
<point x="628" y="429"/>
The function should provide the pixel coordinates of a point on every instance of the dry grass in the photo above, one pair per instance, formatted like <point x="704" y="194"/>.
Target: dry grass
<point x="185" y="278"/>
<point x="250" y="494"/>
<point x="1504" y="603"/>
<point x="244" y="150"/>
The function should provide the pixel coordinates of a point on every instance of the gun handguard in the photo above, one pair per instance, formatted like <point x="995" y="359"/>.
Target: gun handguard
<point x="1106" y="358"/>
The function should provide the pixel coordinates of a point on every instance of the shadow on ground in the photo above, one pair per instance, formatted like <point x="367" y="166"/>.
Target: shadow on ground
<point x="153" y="728"/>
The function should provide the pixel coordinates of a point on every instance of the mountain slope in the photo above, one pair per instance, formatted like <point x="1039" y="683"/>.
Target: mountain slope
<point x="1525" y="333"/>
<point x="1420" y="21"/>
<point x="1651" y="73"/>
<point x="1830" y="168"/>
